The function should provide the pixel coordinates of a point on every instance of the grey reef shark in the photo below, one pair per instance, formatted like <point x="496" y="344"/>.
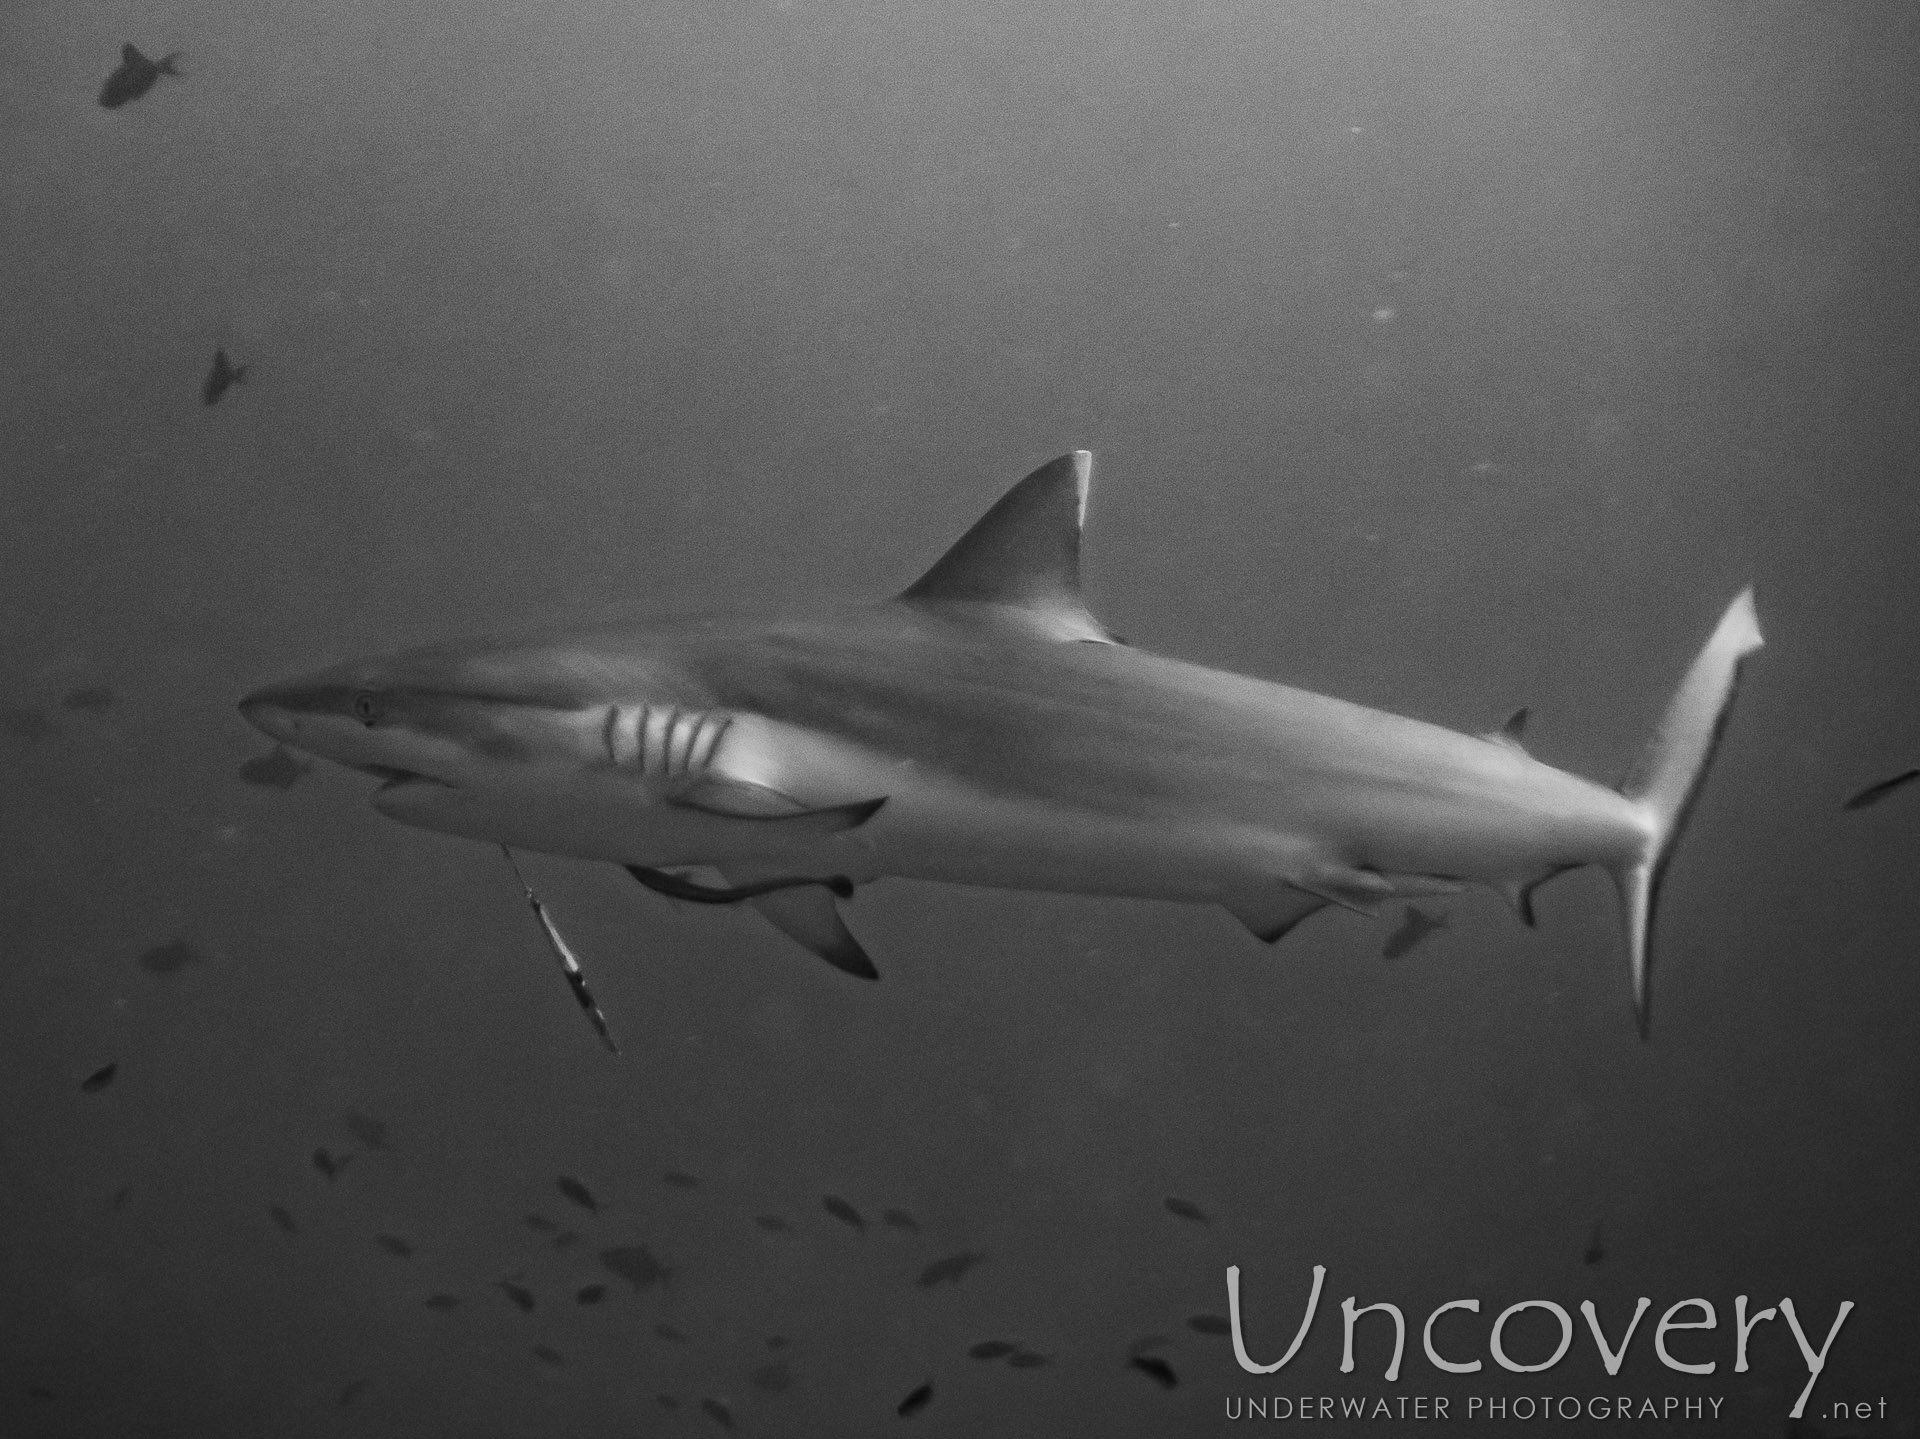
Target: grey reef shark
<point x="982" y="728"/>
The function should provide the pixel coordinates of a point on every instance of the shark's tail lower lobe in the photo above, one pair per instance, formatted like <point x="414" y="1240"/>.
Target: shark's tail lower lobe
<point x="1668" y="775"/>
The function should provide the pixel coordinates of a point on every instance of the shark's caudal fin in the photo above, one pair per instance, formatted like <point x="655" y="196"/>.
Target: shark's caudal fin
<point x="1021" y="560"/>
<point x="1667" y="777"/>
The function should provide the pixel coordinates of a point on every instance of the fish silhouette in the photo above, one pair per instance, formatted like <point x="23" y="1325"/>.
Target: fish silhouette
<point x="222" y="377"/>
<point x="99" y="1079"/>
<point x="1155" y="1368"/>
<point x="1186" y="1209"/>
<point x="27" y="724"/>
<point x="443" y="1301"/>
<point x="283" y="1219"/>
<point x="93" y="699"/>
<point x="680" y="1179"/>
<point x="1596" y="1251"/>
<point x="368" y="1130"/>
<point x="577" y="1192"/>
<point x="394" y="1245"/>
<point x="330" y="1166"/>
<point x="1027" y="1359"/>
<point x="950" y="1269"/>
<point x="636" y="1264"/>
<point x="277" y="769"/>
<point x="718" y="1412"/>
<point x="670" y="1334"/>
<point x="168" y="958"/>
<point x="992" y="1349"/>
<point x="900" y="1219"/>
<point x="915" y="1402"/>
<point x="521" y="1296"/>
<point x="774" y="1378"/>
<point x="351" y="1392"/>
<point x="135" y="76"/>
<point x="591" y="1294"/>
<point x="1874" y="793"/>
<point x="548" y="1356"/>
<point x="1210" y="1324"/>
<point x="773" y="1223"/>
<point x="844" y="1212"/>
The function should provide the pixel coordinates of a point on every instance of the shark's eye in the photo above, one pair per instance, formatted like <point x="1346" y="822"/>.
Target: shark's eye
<point x="366" y="706"/>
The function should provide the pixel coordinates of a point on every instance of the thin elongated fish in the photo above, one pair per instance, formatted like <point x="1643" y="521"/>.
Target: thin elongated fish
<point x="569" y="966"/>
<point x="983" y="728"/>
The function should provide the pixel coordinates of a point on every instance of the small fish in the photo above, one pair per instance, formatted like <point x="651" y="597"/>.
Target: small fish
<point x="1874" y="793"/>
<point x="277" y="769"/>
<point x="1186" y="1209"/>
<point x="549" y="1356"/>
<point x="773" y="1223"/>
<point x="93" y="699"/>
<point x="99" y="1079"/>
<point x="1210" y="1324"/>
<point x="330" y="1165"/>
<point x="900" y="1219"/>
<point x="351" y="1392"/>
<point x="521" y="1296"/>
<point x="1417" y="925"/>
<point x="1147" y="1343"/>
<point x="564" y="956"/>
<point x="27" y="724"/>
<point x="564" y="1238"/>
<point x="122" y="1195"/>
<point x="718" y="1412"/>
<point x="670" y="1334"/>
<point x="577" y="1192"/>
<point x="135" y="76"/>
<point x="669" y="1401"/>
<point x="443" y="1301"/>
<point x="776" y="1341"/>
<point x="1155" y="1368"/>
<point x="680" y="1179"/>
<point x="774" y="1378"/>
<point x="591" y="1294"/>
<point x="368" y="1130"/>
<point x="635" y="1264"/>
<point x="950" y="1269"/>
<point x="283" y="1219"/>
<point x="1596" y="1251"/>
<point x="168" y="958"/>
<point x="541" y="1223"/>
<point x="394" y="1245"/>
<point x="1027" y="1359"/>
<point x="222" y="377"/>
<point x="843" y="1211"/>
<point x="916" y="1401"/>
<point x="992" y="1349"/>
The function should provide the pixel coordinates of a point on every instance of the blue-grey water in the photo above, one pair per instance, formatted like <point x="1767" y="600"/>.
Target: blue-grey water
<point x="1448" y="357"/>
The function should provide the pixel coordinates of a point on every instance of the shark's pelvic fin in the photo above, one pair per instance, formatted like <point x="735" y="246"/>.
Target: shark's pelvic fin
<point x="1668" y="777"/>
<point x="743" y="799"/>
<point x="1021" y="560"/>
<point x="1271" y="912"/>
<point x="810" y="917"/>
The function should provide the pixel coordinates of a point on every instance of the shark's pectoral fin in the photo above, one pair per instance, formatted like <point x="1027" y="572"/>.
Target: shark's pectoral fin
<point x="744" y="799"/>
<point x="676" y="886"/>
<point x="808" y="916"/>
<point x="1269" y="913"/>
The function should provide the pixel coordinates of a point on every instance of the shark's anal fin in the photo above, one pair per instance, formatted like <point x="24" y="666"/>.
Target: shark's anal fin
<point x="1269" y="913"/>
<point x="808" y="915"/>
<point x="678" y="887"/>
<point x="1020" y="563"/>
<point x="743" y="799"/>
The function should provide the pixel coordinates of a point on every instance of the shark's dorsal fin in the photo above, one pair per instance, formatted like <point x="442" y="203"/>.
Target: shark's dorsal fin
<point x="1023" y="556"/>
<point x="1509" y="734"/>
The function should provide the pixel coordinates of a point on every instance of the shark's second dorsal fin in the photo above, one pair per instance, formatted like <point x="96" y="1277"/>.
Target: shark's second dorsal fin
<point x="1023" y="556"/>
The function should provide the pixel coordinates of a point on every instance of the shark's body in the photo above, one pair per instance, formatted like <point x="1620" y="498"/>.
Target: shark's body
<point x="983" y="729"/>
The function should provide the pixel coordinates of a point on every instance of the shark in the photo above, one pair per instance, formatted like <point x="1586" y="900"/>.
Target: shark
<point x="982" y="728"/>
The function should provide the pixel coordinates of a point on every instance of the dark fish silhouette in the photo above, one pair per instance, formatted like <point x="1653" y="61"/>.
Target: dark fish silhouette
<point x="679" y="1179"/>
<point x="635" y="1264"/>
<point x="222" y="377"/>
<point x="329" y="1165"/>
<point x="27" y="724"/>
<point x="92" y="698"/>
<point x="577" y="1192"/>
<point x="1210" y="1324"/>
<point x="549" y="1356"/>
<point x="670" y="1334"/>
<point x="1155" y="1368"/>
<point x="773" y="1224"/>
<point x="774" y="1378"/>
<point x="368" y="1130"/>
<point x="443" y="1301"/>
<point x="1874" y="793"/>
<point x="521" y="1296"/>
<point x="915" y="1402"/>
<point x="1027" y="1359"/>
<point x="276" y="769"/>
<point x="394" y="1245"/>
<point x="136" y="75"/>
<point x="1186" y="1209"/>
<point x="992" y="1349"/>
<point x="1146" y="1344"/>
<point x="122" y="1195"/>
<point x="591" y="1294"/>
<point x="351" y="1392"/>
<point x="950" y="1269"/>
<point x="844" y="1212"/>
<point x="776" y="1341"/>
<point x="99" y="1079"/>
<point x="900" y="1219"/>
<point x="718" y="1412"/>
<point x="564" y="1238"/>
<point x="168" y="958"/>
<point x="283" y="1219"/>
<point x="1417" y="925"/>
<point x="669" y="1401"/>
<point x="1596" y="1248"/>
<point x="543" y="1224"/>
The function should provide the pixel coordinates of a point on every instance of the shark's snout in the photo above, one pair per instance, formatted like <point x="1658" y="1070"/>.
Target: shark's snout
<point x="266" y="712"/>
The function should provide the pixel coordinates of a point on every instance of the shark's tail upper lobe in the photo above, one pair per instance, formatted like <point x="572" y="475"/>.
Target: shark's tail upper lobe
<point x="1667" y="778"/>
